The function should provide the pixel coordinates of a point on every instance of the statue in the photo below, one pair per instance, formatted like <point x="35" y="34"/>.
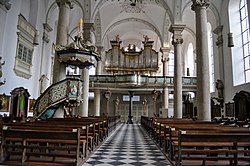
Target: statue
<point x="144" y="102"/>
<point x="1" y="64"/>
<point x="220" y="88"/>
<point x="133" y="48"/>
<point x="117" y="38"/>
<point x="117" y="101"/>
<point x="43" y="79"/>
<point x="146" y="38"/>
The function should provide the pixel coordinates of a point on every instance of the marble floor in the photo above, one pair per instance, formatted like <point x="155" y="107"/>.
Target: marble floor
<point x="128" y="146"/>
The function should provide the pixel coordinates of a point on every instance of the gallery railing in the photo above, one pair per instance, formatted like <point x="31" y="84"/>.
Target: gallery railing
<point x="139" y="79"/>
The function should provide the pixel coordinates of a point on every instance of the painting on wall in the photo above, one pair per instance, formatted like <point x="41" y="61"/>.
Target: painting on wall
<point x="4" y="103"/>
<point x="229" y="109"/>
<point x="31" y="105"/>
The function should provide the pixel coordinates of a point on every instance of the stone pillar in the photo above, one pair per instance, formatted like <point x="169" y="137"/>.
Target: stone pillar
<point x="203" y="82"/>
<point x="131" y="94"/>
<point x="177" y="41"/>
<point x="219" y="44"/>
<point x="85" y="75"/>
<point x="164" y="60"/>
<point x="59" y="71"/>
<point x="85" y="93"/>
<point x="97" y="97"/>
<point x="4" y="7"/>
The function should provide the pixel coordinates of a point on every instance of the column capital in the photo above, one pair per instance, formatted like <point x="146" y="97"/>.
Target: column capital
<point x="218" y="32"/>
<point x="5" y="4"/>
<point x="177" y="41"/>
<point x="200" y="3"/>
<point x="177" y="30"/>
<point x="47" y="27"/>
<point x="165" y="49"/>
<point x="65" y="2"/>
<point x="88" y="26"/>
<point x="99" y="49"/>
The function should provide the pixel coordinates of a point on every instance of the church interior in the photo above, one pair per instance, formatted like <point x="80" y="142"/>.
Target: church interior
<point x="124" y="82"/>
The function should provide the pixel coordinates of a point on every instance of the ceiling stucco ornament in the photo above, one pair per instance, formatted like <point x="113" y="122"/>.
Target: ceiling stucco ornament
<point x="133" y="7"/>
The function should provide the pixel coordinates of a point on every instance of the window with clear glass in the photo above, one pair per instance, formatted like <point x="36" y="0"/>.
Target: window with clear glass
<point x="171" y="64"/>
<point x="244" y="21"/>
<point x="190" y="60"/>
<point x="24" y="54"/>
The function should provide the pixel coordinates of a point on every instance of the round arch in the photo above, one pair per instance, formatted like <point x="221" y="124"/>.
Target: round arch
<point x="133" y="20"/>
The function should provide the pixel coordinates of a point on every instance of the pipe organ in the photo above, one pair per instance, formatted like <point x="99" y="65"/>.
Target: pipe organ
<point x="131" y="61"/>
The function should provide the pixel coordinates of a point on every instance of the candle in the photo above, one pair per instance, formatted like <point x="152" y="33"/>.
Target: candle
<point x="81" y="22"/>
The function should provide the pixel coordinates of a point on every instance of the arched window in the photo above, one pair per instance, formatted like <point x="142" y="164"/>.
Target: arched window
<point x="171" y="63"/>
<point x="190" y="60"/>
<point x="211" y="57"/>
<point x="244" y="22"/>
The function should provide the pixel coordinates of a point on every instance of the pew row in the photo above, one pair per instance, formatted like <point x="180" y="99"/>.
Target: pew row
<point x="188" y="142"/>
<point x="43" y="141"/>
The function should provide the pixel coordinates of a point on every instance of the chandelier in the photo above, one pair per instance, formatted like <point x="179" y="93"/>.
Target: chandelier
<point x="133" y="2"/>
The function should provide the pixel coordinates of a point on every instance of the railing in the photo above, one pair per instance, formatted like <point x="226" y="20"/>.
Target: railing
<point x="139" y="79"/>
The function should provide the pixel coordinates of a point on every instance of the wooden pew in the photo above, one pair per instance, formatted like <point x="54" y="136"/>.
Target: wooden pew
<point x="84" y="134"/>
<point x="37" y="144"/>
<point x="168" y="129"/>
<point x="200" y="145"/>
<point x="96" y="128"/>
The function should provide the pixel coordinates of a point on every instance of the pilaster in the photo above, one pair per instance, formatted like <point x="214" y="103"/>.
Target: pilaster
<point x="219" y="44"/>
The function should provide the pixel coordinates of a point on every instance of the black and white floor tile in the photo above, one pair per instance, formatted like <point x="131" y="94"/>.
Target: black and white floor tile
<point x="128" y="146"/>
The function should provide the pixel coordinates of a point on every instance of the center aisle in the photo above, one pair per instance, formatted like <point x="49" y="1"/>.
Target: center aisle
<point x="128" y="146"/>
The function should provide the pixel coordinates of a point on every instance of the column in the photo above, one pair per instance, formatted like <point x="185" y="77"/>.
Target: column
<point x="177" y="41"/>
<point x="97" y="97"/>
<point x="85" y="93"/>
<point x="164" y="60"/>
<point x="131" y="94"/>
<point x="59" y="71"/>
<point x="203" y="82"/>
<point x="155" y="95"/>
<point x="85" y="76"/>
<point x="4" y="8"/>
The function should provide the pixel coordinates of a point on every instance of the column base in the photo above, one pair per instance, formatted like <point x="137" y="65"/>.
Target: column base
<point x="130" y="121"/>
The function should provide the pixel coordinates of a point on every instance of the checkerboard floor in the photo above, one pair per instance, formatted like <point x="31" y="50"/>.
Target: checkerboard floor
<point x="128" y="146"/>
